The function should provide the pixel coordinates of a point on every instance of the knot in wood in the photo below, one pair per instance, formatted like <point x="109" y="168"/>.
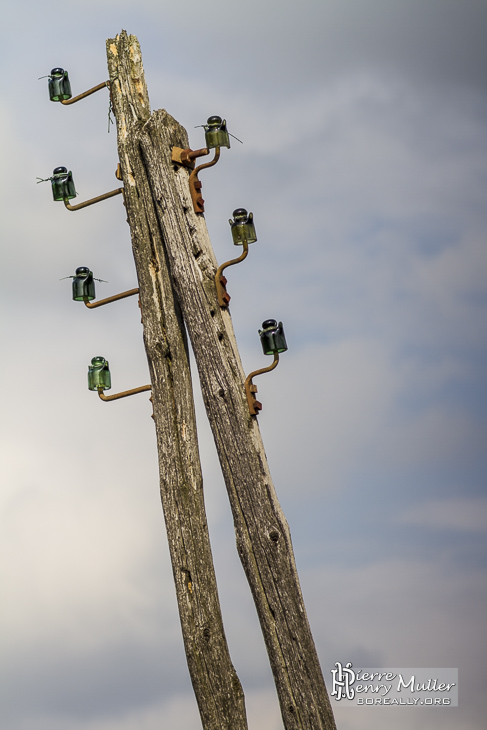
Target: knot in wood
<point x="163" y="348"/>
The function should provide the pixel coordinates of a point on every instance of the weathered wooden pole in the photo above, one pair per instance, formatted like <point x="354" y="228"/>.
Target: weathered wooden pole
<point x="217" y="688"/>
<point x="171" y="245"/>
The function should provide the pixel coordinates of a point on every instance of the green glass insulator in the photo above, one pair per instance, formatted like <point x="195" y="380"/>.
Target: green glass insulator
<point x="272" y="337"/>
<point x="216" y="134"/>
<point x="63" y="184"/>
<point x="99" y="374"/>
<point x="59" y="86"/>
<point x="242" y="226"/>
<point x="83" y="285"/>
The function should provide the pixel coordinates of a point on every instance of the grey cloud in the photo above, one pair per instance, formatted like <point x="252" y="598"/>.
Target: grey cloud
<point x="364" y="163"/>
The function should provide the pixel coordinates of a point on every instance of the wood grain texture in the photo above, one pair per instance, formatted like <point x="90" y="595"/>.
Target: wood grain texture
<point x="216" y="685"/>
<point x="262" y="533"/>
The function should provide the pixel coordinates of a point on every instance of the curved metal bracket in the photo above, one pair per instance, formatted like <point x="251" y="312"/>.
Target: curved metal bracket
<point x="195" y="184"/>
<point x="250" y="389"/>
<point x="221" y="281"/>
<point x="85" y="94"/>
<point x="109" y="300"/>
<point x="93" y="200"/>
<point x="124" y="394"/>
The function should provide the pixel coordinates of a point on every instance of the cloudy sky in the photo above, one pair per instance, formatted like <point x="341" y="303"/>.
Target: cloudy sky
<point x="364" y="162"/>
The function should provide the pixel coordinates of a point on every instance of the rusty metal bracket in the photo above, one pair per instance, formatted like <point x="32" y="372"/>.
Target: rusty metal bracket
<point x="109" y="300"/>
<point x="66" y="102"/>
<point x="250" y="389"/>
<point x="195" y="184"/>
<point x="221" y="281"/>
<point x="187" y="157"/>
<point x="105" y="196"/>
<point x="124" y="394"/>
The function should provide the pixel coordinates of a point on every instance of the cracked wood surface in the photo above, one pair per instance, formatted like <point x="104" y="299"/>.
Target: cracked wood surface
<point x="180" y="253"/>
<point x="217" y="688"/>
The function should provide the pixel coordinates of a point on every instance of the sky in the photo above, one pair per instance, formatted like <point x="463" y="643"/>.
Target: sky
<point x="364" y="130"/>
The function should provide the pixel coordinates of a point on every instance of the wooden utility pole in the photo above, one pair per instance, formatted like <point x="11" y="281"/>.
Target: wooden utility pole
<point x="217" y="688"/>
<point x="176" y="268"/>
